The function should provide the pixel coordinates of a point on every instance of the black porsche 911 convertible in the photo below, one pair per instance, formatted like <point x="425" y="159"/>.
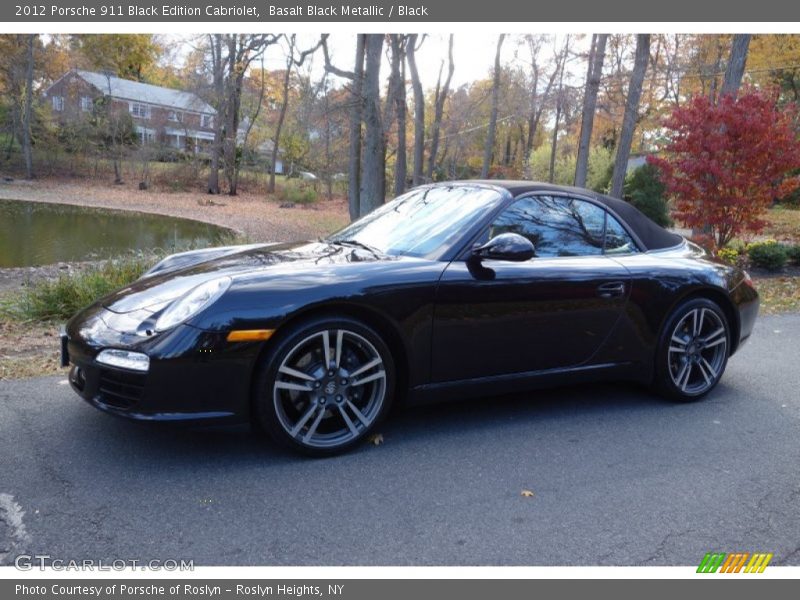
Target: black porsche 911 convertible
<point x="451" y="290"/>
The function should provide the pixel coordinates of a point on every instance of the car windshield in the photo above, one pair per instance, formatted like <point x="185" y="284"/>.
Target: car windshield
<point x="422" y="223"/>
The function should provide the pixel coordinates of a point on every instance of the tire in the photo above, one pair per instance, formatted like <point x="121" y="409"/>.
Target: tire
<point x="321" y="411"/>
<point x="692" y="351"/>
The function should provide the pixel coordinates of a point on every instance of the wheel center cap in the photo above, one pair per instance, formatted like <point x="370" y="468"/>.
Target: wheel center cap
<point x="330" y="387"/>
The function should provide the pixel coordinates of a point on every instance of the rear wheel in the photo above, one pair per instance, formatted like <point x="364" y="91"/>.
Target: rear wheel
<point x="326" y="385"/>
<point x="693" y="350"/>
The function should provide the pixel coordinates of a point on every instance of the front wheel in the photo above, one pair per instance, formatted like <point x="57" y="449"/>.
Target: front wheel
<point x="326" y="385"/>
<point x="693" y="350"/>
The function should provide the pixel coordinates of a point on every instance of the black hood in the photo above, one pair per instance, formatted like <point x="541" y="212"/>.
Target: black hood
<point x="165" y="282"/>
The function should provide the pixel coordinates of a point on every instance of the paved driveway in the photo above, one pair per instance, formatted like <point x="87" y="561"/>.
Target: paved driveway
<point x="619" y="477"/>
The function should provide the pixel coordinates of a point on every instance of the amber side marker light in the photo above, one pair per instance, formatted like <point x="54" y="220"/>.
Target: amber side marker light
<point x="250" y="335"/>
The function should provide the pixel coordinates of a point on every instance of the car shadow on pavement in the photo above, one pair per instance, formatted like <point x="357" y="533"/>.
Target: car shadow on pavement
<point x="405" y="427"/>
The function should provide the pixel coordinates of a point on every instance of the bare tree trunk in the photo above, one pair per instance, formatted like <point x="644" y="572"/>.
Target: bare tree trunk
<point x="356" y="118"/>
<point x="276" y="140"/>
<point x="559" y="105"/>
<point x="400" y="164"/>
<point x="537" y="103"/>
<point x="736" y="63"/>
<point x="631" y="113"/>
<point x="419" y="111"/>
<point x="594" y="72"/>
<point x="551" y="174"/>
<point x="233" y="102"/>
<point x="490" y="134"/>
<point x="251" y="119"/>
<point x="356" y="76"/>
<point x="27" y="150"/>
<point x="441" y="97"/>
<point x="373" y="181"/>
<point x="218" y="68"/>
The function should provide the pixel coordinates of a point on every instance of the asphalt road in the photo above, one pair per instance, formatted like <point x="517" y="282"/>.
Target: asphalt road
<point x="619" y="477"/>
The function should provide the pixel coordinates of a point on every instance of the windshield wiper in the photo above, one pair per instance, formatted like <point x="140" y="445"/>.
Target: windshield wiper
<point x="375" y="251"/>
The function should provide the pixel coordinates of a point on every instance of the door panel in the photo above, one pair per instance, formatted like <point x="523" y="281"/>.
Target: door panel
<point x="498" y="317"/>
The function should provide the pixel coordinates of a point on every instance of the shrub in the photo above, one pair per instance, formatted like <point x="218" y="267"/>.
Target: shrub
<point x="600" y="169"/>
<point x="793" y="254"/>
<point x="296" y="192"/>
<point x="769" y="255"/>
<point x="729" y="255"/>
<point x="63" y="297"/>
<point x="644" y="190"/>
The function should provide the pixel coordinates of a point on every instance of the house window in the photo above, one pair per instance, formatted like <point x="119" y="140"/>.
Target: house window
<point x="58" y="103"/>
<point x="207" y="121"/>
<point x="175" y="116"/>
<point x="87" y="104"/>
<point x="140" y="110"/>
<point x="146" y="136"/>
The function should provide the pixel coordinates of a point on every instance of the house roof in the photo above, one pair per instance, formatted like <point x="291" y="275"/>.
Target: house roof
<point x="144" y="92"/>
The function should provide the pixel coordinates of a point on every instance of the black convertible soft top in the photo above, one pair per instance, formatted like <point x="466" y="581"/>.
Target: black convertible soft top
<point x="651" y="235"/>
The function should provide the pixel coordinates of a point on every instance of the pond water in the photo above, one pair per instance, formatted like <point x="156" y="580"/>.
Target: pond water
<point x="36" y="233"/>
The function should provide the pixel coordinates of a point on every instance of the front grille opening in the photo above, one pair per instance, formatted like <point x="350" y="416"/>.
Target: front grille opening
<point x="120" y="389"/>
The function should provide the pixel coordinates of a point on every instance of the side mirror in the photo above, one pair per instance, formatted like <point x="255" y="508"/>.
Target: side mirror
<point x="506" y="246"/>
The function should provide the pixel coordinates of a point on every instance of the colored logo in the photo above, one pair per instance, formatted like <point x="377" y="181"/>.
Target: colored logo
<point x="736" y="562"/>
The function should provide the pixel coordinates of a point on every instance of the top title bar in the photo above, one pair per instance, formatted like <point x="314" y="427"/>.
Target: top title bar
<point x="413" y="11"/>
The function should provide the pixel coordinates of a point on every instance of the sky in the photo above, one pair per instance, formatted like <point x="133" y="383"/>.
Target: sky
<point x="473" y="55"/>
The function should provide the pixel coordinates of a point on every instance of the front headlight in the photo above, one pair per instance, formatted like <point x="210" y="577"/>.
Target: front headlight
<point x="192" y="302"/>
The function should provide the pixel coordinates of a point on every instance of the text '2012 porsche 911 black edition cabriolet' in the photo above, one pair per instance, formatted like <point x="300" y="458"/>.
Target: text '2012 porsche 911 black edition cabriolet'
<point x="451" y="290"/>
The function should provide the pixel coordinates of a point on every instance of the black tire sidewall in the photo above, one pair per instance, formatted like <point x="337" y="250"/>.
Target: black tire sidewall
<point x="663" y="381"/>
<point x="264" y="413"/>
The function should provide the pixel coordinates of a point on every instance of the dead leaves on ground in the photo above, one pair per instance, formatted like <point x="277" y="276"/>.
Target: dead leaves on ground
<point x="779" y="294"/>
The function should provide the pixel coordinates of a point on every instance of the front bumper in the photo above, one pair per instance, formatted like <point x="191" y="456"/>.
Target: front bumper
<point x="194" y="375"/>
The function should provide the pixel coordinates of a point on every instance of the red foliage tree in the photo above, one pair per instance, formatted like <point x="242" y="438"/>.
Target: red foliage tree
<point x="726" y="163"/>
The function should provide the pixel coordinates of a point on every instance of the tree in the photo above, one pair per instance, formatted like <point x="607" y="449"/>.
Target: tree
<point x="736" y="63"/>
<point x="130" y="56"/>
<point x="536" y="102"/>
<point x="419" y="109"/>
<point x="438" y="110"/>
<point x="217" y="63"/>
<point x="559" y="109"/>
<point x="114" y="131"/>
<point x="27" y="142"/>
<point x="230" y="58"/>
<point x="490" y="134"/>
<point x="242" y="50"/>
<point x="291" y="61"/>
<point x="396" y="108"/>
<point x="596" y="55"/>
<point x="356" y="76"/>
<point x="631" y="114"/>
<point x="373" y="161"/>
<point x="725" y="163"/>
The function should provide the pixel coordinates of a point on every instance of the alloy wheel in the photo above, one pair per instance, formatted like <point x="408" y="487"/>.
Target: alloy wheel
<point x="697" y="351"/>
<point x="329" y="389"/>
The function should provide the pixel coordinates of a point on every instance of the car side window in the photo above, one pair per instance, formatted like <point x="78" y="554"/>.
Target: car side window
<point x="618" y="241"/>
<point x="556" y="226"/>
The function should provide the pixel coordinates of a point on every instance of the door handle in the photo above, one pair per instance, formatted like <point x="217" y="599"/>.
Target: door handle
<point x="612" y="289"/>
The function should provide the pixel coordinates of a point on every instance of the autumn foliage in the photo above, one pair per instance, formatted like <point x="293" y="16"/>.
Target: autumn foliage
<point x="725" y="163"/>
